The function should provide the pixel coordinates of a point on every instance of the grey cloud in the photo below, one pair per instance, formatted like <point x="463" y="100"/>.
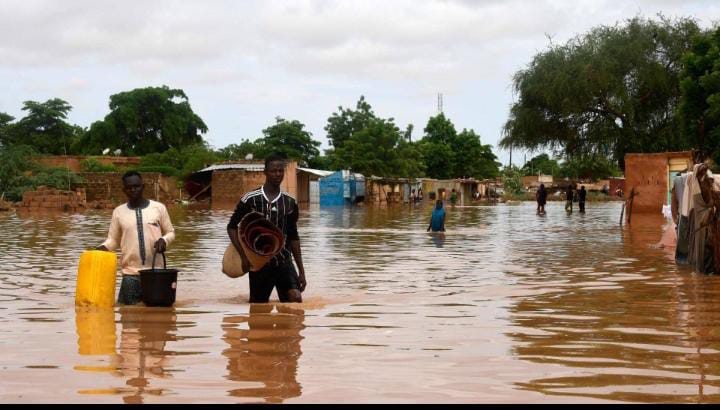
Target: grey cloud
<point x="270" y="56"/>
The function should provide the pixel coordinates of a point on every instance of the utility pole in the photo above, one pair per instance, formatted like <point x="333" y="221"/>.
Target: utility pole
<point x="440" y="103"/>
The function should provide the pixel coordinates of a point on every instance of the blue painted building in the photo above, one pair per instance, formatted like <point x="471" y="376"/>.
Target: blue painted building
<point x="332" y="190"/>
<point x="341" y="187"/>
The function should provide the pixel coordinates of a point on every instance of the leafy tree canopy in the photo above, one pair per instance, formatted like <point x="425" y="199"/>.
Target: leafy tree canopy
<point x="43" y="127"/>
<point x="699" y="109"/>
<point x="146" y="120"/>
<point x="611" y="91"/>
<point x="448" y="154"/>
<point x="343" y="124"/>
<point x="541" y="164"/>
<point x="291" y="138"/>
<point x="380" y="149"/>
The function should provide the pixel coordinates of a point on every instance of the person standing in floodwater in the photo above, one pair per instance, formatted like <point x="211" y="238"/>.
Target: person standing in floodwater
<point x="136" y="228"/>
<point x="437" y="219"/>
<point x="282" y="210"/>
<point x="569" y="198"/>
<point x="419" y="196"/>
<point x="541" y="197"/>
<point x="453" y="197"/>
<point x="582" y="194"/>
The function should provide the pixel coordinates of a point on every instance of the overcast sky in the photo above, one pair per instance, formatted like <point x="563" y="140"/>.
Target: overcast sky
<point x="242" y="63"/>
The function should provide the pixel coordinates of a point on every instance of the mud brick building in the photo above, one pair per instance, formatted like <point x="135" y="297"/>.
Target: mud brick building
<point x="229" y="181"/>
<point x="650" y="175"/>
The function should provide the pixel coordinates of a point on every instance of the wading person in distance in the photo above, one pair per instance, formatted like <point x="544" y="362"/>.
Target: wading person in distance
<point x="282" y="210"/>
<point x="139" y="228"/>
<point x="437" y="219"/>
<point x="569" y="199"/>
<point x="582" y="194"/>
<point x="453" y="197"/>
<point x="541" y="198"/>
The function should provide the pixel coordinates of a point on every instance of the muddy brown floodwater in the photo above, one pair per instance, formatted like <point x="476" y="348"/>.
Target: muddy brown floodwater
<point x="507" y="307"/>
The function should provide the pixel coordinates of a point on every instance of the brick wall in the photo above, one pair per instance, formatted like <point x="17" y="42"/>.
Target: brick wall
<point x="229" y="185"/>
<point x="648" y="175"/>
<point x="73" y="161"/>
<point x="53" y="199"/>
<point x="107" y="186"/>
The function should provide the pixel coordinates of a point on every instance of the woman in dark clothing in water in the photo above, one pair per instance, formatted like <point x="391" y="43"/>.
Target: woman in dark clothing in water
<point x="541" y="197"/>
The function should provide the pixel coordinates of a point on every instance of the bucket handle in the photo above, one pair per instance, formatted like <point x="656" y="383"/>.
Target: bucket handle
<point x="164" y="260"/>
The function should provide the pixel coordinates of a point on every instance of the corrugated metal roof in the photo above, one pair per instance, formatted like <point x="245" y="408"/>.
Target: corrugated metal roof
<point x="246" y="167"/>
<point x="318" y="172"/>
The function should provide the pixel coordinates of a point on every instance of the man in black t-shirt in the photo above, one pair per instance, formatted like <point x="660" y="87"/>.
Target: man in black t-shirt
<point x="282" y="210"/>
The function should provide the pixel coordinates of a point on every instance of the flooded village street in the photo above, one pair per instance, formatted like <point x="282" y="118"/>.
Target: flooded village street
<point x="508" y="307"/>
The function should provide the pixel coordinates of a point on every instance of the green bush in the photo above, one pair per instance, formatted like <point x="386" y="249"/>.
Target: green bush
<point x="93" y="165"/>
<point x="184" y="161"/>
<point x="18" y="173"/>
<point x="512" y="180"/>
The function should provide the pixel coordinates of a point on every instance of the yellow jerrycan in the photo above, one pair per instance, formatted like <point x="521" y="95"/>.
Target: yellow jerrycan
<point x="96" y="279"/>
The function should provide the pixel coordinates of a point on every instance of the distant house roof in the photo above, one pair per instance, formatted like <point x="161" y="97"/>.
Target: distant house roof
<point x="247" y="167"/>
<point x="318" y="172"/>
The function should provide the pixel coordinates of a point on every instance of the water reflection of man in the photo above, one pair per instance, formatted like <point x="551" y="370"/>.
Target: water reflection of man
<point x="266" y="352"/>
<point x="142" y="349"/>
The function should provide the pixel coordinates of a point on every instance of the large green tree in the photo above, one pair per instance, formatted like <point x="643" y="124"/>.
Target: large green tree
<point x="146" y="120"/>
<point x="437" y="147"/>
<point x="699" y="109"/>
<point x="541" y="164"/>
<point x="473" y="158"/>
<point x="611" y="91"/>
<point x="343" y="124"/>
<point x="380" y="149"/>
<point x="448" y="154"/>
<point x="43" y="127"/>
<point x="289" y="137"/>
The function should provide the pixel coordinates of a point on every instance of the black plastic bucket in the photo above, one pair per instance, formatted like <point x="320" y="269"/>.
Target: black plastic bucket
<point x="158" y="285"/>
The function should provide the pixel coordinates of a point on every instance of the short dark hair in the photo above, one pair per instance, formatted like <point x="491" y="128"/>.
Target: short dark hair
<point x="130" y="174"/>
<point x="275" y="156"/>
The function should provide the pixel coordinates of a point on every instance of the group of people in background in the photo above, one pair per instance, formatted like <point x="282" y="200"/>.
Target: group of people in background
<point x="416" y="197"/>
<point x="570" y="195"/>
